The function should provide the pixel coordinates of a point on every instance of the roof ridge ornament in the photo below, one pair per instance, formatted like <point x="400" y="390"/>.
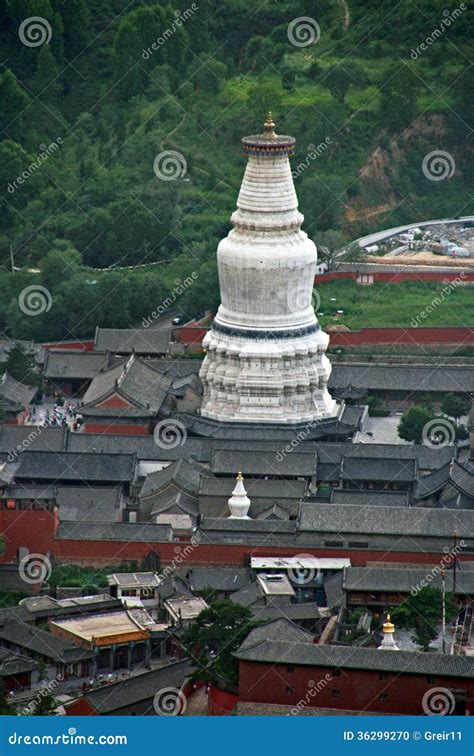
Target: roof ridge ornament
<point x="268" y="127"/>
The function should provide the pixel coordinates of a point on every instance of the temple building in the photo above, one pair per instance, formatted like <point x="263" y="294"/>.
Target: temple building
<point x="265" y="360"/>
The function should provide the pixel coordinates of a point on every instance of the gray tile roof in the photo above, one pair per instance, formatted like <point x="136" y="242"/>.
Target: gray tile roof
<point x="408" y="377"/>
<point x="279" y="629"/>
<point x="387" y="470"/>
<point x="127" y="340"/>
<point x="257" y="488"/>
<point x="33" y="438"/>
<point x="427" y="485"/>
<point x="295" y="612"/>
<point x="74" y="364"/>
<point x="87" y="504"/>
<point x="185" y="474"/>
<point x="129" y="532"/>
<point x="404" y="579"/>
<point x="40" y="642"/>
<point x="15" y="664"/>
<point x="462" y="477"/>
<point x="133" y="379"/>
<point x="177" y="502"/>
<point x="16" y="391"/>
<point x="139" y="688"/>
<point x="410" y="521"/>
<point x="36" y="493"/>
<point x="351" y="657"/>
<point x="294" y="464"/>
<point x="38" y="465"/>
<point x="373" y="498"/>
<point x="220" y="579"/>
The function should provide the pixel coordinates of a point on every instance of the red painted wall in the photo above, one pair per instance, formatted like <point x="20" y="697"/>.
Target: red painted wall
<point x="359" y="689"/>
<point x="97" y="552"/>
<point x="80" y="708"/>
<point x="87" y="345"/>
<point x="393" y="277"/>
<point x="403" y="336"/>
<point x="372" y="336"/>
<point x="32" y="529"/>
<point x="117" y="430"/>
<point x="220" y="703"/>
<point x="114" y="401"/>
<point x="36" y="529"/>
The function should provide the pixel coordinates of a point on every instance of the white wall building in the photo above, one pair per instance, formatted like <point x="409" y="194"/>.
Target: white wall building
<point x="265" y="358"/>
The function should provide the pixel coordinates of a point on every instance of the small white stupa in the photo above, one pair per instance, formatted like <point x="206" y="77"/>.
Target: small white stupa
<point x="239" y="502"/>
<point x="388" y="642"/>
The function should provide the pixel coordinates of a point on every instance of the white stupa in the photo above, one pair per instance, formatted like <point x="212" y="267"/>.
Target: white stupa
<point x="388" y="641"/>
<point x="265" y="358"/>
<point x="239" y="502"/>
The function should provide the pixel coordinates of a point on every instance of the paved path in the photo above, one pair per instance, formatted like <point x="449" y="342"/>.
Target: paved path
<point x="197" y="704"/>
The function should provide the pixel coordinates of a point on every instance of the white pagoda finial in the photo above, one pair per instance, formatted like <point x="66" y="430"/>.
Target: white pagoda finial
<point x="388" y="642"/>
<point x="239" y="502"/>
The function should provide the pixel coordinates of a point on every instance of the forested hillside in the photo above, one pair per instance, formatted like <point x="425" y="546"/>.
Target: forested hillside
<point x="120" y="82"/>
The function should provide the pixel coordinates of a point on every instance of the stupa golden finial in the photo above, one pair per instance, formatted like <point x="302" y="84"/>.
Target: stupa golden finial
<point x="388" y="626"/>
<point x="239" y="476"/>
<point x="268" y="127"/>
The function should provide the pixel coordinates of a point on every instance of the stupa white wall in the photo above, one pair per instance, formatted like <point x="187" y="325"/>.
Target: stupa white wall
<point x="265" y="358"/>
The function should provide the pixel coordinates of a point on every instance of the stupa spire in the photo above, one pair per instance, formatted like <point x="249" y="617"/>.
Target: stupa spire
<point x="239" y="502"/>
<point x="388" y="641"/>
<point x="265" y="353"/>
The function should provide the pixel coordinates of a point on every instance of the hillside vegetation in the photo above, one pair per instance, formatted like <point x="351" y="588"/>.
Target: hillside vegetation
<point x="102" y="103"/>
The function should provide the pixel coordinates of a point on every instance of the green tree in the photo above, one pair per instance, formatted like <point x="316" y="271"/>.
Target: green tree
<point x="398" y="94"/>
<point x="340" y="77"/>
<point x="412" y="423"/>
<point x="21" y="367"/>
<point x="59" y="265"/>
<point x="44" y="704"/>
<point x="454" y="406"/>
<point x="211" y="639"/>
<point x="423" y="612"/>
<point x="14" y="100"/>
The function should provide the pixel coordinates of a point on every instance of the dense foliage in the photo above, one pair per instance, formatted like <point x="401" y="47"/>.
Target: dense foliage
<point x="93" y="108"/>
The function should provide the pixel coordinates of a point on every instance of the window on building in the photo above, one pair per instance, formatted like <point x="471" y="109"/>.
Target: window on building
<point x="336" y="693"/>
<point x="336" y="673"/>
<point x="334" y="544"/>
<point x="290" y="668"/>
<point x="383" y="697"/>
<point x="289" y="690"/>
<point x="430" y="679"/>
<point x="358" y="545"/>
<point x="383" y="675"/>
